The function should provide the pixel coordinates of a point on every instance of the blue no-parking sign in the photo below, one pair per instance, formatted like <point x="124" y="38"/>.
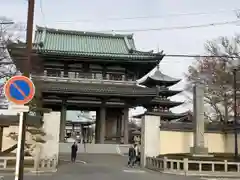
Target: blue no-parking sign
<point x="19" y="90"/>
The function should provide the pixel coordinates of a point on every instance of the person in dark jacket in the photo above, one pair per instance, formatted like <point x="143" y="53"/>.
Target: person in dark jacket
<point x="131" y="156"/>
<point x="74" y="152"/>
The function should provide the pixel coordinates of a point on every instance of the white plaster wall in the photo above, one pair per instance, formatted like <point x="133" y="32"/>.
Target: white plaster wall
<point x="9" y="142"/>
<point x="229" y="145"/>
<point x="51" y="127"/>
<point x="180" y="142"/>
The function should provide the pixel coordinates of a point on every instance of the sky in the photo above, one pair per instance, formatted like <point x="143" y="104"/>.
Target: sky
<point x="93" y="15"/>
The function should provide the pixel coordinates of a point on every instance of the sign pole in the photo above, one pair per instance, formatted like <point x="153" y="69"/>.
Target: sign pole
<point x="20" y="128"/>
<point x="20" y="90"/>
<point x="30" y="18"/>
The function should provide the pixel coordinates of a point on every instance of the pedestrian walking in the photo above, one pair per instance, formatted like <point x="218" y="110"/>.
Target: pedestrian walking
<point x="137" y="149"/>
<point x="74" y="150"/>
<point x="131" y="156"/>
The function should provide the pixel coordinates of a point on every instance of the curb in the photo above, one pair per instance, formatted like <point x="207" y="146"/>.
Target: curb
<point x="42" y="172"/>
<point x="203" y="175"/>
<point x="199" y="175"/>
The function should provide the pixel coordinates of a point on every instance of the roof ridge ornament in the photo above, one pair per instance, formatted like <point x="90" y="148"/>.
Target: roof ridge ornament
<point x="113" y="33"/>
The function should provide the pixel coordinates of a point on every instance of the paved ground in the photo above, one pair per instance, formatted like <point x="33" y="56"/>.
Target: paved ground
<point x="101" y="167"/>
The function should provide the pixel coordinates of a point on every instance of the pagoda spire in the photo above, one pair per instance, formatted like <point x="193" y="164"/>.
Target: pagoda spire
<point x="158" y="65"/>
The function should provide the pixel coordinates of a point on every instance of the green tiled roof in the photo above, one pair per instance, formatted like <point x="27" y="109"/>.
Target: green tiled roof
<point x="78" y="43"/>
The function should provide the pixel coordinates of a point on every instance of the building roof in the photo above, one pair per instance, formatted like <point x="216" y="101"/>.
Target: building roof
<point x="158" y="79"/>
<point x="81" y="43"/>
<point x="165" y="102"/>
<point x="164" y="115"/>
<point x="168" y="92"/>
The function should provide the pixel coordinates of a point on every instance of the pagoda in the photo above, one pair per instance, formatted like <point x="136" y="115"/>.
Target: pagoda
<point x="161" y="104"/>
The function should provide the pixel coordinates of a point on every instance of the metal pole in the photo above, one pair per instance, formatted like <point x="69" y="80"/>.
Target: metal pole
<point x="26" y="73"/>
<point x="20" y="128"/>
<point x="235" y="112"/>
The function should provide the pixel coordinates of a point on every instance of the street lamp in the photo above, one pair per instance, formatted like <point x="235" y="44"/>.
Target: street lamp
<point x="235" y="69"/>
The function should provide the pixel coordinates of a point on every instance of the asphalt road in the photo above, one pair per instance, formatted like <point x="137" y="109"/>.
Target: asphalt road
<point x="100" y="167"/>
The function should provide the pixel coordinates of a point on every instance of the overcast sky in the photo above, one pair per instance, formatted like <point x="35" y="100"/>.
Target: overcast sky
<point x="91" y="16"/>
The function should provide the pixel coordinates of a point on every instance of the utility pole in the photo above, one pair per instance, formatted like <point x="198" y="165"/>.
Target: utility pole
<point x="26" y="73"/>
<point x="235" y="112"/>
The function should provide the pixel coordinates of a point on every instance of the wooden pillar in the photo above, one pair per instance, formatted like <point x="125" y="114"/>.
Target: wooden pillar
<point x="1" y="138"/>
<point x="97" y="127"/>
<point x="119" y="121"/>
<point x="73" y="127"/>
<point x="102" y="123"/>
<point x="125" y="121"/>
<point x="65" y="70"/>
<point x="63" y="122"/>
<point x="104" y="71"/>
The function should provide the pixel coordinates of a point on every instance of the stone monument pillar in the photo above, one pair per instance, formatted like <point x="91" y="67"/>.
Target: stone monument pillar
<point x="199" y="124"/>
<point x="150" y="137"/>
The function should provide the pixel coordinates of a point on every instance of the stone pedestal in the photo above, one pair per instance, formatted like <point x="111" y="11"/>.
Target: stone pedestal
<point x="198" y="150"/>
<point x="199" y="124"/>
<point x="150" y="137"/>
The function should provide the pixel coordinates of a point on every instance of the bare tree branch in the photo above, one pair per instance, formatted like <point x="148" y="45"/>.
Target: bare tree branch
<point x="216" y="75"/>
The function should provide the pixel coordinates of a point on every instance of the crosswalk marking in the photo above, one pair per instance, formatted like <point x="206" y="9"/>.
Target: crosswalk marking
<point x="220" y="178"/>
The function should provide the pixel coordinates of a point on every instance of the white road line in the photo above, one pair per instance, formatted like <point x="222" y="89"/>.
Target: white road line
<point x="133" y="171"/>
<point x="220" y="178"/>
<point x="77" y="161"/>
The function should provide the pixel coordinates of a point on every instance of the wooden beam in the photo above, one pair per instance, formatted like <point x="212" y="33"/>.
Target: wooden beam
<point x="1" y="138"/>
<point x="13" y="120"/>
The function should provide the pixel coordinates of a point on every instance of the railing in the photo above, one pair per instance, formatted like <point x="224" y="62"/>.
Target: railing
<point x="46" y="164"/>
<point x="193" y="167"/>
<point x="30" y="164"/>
<point x="83" y="80"/>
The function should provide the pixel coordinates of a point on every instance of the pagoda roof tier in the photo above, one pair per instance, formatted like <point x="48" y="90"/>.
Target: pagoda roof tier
<point x="164" y="115"/>
<point x="89" y="44"/>
<point x="93" y="87"/>
<point x="164" y="102"/>
<point x="159" y="79"/>
<point x="167" y="92"/>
